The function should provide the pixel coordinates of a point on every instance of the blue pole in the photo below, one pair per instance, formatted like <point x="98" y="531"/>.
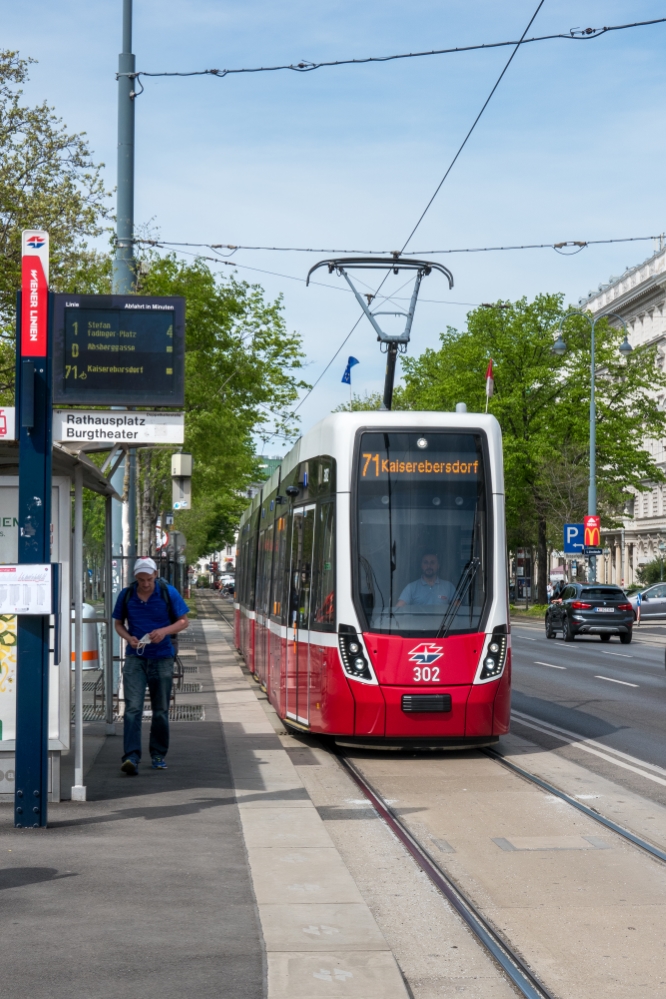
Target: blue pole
<point x="34" y="546"/>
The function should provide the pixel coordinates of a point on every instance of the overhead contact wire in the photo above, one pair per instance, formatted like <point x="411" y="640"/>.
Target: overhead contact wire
<point x="305" y="66"/>
<point x="474" y="124"/>
<point x="577" y="244"/>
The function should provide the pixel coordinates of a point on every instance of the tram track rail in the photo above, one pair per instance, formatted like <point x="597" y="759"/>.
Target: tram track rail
<point x="500" y="950"/>
<point x="591" y="813"/>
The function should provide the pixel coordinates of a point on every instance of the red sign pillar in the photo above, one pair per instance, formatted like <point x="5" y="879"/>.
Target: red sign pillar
<point x="592" y="525"/>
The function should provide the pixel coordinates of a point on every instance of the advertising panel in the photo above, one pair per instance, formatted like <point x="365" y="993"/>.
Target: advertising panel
<point x="58" y="675"/>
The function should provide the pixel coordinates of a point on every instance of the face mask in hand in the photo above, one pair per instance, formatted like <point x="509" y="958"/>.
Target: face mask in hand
<point x="142" y="644"/>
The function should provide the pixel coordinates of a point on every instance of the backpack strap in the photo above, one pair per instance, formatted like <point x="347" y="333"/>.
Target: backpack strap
<point x="166" y="597"/>
<point x="128" y="591"/>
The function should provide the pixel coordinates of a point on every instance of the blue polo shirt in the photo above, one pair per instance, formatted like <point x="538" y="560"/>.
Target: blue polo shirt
<point x="143" y="616"/>
<point x="420" y="592"/>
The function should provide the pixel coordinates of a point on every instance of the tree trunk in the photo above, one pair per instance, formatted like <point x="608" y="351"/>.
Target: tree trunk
<point x="542" y="555"/>
<point x="148" y="536"/>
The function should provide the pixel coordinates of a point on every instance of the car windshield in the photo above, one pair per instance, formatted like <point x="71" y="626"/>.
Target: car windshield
<point x="421" y="532"/>
<point x="603" y="593"/>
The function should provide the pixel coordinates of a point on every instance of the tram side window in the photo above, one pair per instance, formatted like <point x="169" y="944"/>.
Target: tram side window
<point x="323" y="605"/>
<point x="267" y="558"/>
<point x="279" y="556"/>
<point x="244" y="575"/>
<point x="261" y="554"/>
<point x="252" y="570"/>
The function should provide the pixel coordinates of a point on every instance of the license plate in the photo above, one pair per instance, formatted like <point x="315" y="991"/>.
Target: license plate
<point x="605" y="610"/>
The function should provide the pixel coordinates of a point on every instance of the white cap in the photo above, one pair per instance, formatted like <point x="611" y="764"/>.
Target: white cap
<point x="144" y="565"/>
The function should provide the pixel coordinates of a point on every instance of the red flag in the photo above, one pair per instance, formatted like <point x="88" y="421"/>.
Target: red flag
<point x="490" y="380"/>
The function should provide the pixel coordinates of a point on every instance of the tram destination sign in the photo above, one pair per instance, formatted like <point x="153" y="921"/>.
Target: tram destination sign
<point x="123" y="350"/>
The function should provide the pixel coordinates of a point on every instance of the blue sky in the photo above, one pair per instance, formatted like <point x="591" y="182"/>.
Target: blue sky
<point x="571" y="147"/>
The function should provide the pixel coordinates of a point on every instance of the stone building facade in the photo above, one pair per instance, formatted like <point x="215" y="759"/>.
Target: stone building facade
<point x="639" y="297"/>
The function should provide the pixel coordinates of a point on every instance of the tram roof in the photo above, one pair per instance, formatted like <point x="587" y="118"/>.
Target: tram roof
<point x="337" y="430"/>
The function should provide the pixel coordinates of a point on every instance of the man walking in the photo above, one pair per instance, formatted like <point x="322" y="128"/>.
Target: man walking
<point x="145" y="615"/>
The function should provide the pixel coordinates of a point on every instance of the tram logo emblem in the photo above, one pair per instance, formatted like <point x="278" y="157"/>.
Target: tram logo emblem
<point x="426" y="654"/>
<point x="35" y="242"/>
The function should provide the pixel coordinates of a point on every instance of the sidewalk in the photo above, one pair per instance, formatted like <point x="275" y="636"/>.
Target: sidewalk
<point x="214" y="878"/>
<point x="143" y="890"/>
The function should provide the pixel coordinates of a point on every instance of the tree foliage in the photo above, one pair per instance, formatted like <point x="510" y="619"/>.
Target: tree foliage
<point x="48" y="180"/>
<point x="241" y="379"/>
<point x="542" y="404"/>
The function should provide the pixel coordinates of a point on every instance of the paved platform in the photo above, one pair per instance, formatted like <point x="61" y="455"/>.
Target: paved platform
<point x="216" y="877"/>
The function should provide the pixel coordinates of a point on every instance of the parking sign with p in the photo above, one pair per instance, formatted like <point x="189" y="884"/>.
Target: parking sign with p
<point x="573" y="539"/>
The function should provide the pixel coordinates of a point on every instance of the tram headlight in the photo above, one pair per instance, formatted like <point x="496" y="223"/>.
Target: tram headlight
<point x="495" y="658"/>
<point x="351" y="653"/>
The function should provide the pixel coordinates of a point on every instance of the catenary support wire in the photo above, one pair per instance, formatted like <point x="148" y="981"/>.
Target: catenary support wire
<point x="306" y="66"/>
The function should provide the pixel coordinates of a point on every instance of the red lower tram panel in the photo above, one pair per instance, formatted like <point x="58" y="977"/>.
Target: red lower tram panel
<point x="425" y="690"/>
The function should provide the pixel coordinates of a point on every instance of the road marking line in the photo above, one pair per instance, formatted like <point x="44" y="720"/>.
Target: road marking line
<point x="620" y="654"/>
<point x="580" y="744"/>
<point x="556" y="729"/>
<point x="526" y="638"/>
<point x="552" y="665"/>
<point x="611" y="680"/>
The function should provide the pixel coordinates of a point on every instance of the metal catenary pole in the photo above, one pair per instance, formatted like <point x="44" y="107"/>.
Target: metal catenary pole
<point x="109" y="630"/>
<point x="34" y="546"/>
<point x="559" y="348"/>
<point x="78" y="790"/>
<point x="123" y="266"/>
<point x="592" y="490"/>
<point x="124" y="272"/>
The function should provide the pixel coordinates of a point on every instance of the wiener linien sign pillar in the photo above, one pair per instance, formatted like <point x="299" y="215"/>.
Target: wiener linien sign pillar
<point x="33" y="389"/>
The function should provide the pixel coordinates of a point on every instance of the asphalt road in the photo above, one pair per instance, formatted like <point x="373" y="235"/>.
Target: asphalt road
<point x="612" y="694"/>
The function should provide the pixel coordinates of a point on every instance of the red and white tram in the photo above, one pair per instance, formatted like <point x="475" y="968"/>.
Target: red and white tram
<point x="371" y="598"/>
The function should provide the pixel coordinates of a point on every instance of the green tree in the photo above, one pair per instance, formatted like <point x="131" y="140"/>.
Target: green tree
<point x="48" y="180"/>
<point x="361" y="403"/>
<point x="542" y="404"/>
<point x="241" y="380"/>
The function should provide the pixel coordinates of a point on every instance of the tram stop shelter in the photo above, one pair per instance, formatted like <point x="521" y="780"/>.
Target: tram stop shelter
<point x="71" y="472"/>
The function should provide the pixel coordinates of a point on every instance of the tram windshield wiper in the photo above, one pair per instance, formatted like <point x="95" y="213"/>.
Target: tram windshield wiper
<point x="464" y="583"/>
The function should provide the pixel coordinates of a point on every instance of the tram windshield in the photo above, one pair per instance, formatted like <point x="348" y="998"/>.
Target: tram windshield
<point x="421" y="559"/>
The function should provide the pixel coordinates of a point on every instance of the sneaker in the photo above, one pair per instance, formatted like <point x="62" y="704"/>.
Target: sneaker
<point x="130" y="767"/>
<point x="159" y="763"/>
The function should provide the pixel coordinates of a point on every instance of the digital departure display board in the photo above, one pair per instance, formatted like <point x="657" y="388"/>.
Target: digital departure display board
<point x="124" y="350"/>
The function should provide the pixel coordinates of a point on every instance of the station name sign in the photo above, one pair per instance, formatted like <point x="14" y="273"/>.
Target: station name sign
<point x="81" y="426"/>
<point x="124" y="350"/>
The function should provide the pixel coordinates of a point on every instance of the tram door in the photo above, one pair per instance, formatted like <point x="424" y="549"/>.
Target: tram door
<point x="298" y="637"/>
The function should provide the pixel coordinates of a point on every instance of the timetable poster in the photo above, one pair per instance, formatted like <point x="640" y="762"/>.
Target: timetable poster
<point x="25" y="589"/>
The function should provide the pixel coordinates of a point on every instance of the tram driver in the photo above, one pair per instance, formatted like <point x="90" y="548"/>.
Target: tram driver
<point x="428" y="588"/>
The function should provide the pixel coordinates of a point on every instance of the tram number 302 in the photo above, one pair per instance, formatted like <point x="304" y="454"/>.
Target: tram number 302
<point x="426" y="674"/>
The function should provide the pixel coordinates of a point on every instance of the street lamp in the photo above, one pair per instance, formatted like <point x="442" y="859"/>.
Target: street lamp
<point x="559" y="348"/>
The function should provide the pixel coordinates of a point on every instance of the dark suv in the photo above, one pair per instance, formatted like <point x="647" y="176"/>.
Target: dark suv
<point x="591" y="609"/>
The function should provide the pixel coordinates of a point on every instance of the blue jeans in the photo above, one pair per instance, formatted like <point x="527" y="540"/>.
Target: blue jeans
<point x="157" y="675"/>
